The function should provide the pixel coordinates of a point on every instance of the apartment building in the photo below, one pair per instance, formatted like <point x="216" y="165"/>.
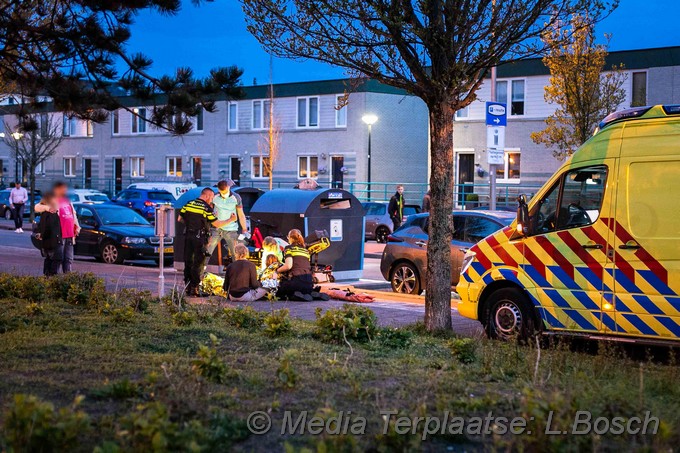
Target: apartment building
<point x="321" y="137"/>
<point x="652" y="77"/>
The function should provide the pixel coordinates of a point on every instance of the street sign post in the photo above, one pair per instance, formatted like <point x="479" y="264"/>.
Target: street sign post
<point x="496" y="121"/>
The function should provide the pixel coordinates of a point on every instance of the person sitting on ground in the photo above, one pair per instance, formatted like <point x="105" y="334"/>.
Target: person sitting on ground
<point x="296" y="271"/>
<point x="49" y="232"/>
<point x="240" y="278"/>
<point x="270" y="247"/>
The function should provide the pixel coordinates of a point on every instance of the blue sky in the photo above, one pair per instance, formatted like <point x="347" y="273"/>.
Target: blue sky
<point x="215" y="34"/>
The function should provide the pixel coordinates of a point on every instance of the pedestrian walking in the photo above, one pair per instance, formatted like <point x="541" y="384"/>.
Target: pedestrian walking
<point x="395" y="208"/>
<point x="426" y="202"/>
<point x="240" y="278"/>
<point x="226" y="204"/>
<point x="49" y="234"/>
<point x="198" y="216"/>
<point x="18" y="197"/>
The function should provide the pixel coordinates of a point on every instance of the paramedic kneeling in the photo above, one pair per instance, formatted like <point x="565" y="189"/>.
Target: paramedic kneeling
<point x="197" y="216"/>
<point x="240" y="278"/>
<point x="296" y="272"/>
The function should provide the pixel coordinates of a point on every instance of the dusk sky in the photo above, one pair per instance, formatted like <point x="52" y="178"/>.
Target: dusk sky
<point x="215" y="34"/>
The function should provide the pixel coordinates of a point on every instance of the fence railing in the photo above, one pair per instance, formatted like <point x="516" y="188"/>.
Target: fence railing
<point x="465" y="196"/>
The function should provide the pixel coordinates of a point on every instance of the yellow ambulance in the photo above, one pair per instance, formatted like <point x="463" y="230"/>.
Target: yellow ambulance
<point x="596" y="251"/>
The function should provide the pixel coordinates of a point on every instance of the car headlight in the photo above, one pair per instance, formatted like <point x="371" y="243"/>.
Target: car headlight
<point x="130" y="240"/>
<point x="467" y="261"/>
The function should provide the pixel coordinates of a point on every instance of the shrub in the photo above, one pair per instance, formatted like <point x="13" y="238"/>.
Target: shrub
<point x="119" y="390"/>
<point x="138" y="300"/>
<point x="208" y="363"/>
<point x="33" y="425"/>
<point x="351" y="321"/>
<point x="286" y="374"/>
<point x="243" y="317"/>
<point x="277" y="323"/>
<point x="34" y="309"/>
<point x="464" y="349"/>
<point x="78" y="289"/>
<point x="149" y="428"/>
<point x="183" y="318"/>
<point x="34" y="289"/>
<point x="394" y="338"/>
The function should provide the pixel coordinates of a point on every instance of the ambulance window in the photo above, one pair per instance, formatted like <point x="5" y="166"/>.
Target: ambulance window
<point x="544" y="218"/>
<point x="582" y="197"/>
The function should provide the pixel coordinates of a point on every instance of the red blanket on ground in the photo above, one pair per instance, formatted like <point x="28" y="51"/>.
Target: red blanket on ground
<point x="348" y="295"/>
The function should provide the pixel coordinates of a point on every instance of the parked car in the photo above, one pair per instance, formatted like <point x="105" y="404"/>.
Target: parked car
<point x="113" y="234"/>
<point x="404" y="260"/>
<point x="6" y="212"/>
<point x="88" y="196"/>
<point x="177" y="189"/>
<point x="378" y="222"/>
<point x="144" y="201"/>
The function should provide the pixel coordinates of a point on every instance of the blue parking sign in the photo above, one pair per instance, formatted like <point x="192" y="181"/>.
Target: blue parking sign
<point x="496" y="114"/>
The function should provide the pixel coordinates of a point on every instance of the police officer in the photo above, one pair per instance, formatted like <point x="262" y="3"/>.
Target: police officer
<point x="197" y="216"/>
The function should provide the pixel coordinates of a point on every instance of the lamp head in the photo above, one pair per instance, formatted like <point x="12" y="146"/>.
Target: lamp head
<point x="369" y="119"/>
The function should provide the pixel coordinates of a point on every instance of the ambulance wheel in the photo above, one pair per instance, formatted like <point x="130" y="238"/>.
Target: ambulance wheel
<point x="508" y="315"/>
<point x="381" y="235"/>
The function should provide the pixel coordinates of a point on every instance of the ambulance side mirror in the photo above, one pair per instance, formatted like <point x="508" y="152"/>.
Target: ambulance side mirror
<point x="523" y="224"/>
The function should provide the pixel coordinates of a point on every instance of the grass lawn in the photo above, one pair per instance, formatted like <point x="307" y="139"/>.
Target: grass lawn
<point x="124" y="376"/>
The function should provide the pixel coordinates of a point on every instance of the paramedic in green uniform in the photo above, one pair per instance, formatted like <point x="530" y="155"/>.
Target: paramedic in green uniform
<point x="227" y="203"/>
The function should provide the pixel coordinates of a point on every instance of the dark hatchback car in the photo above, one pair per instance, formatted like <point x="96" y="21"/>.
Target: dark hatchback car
<point x="144" y="201"/>
<point x="113" y="234"/>
<point x="378" y="223"/>
<point x="404" y="260"/>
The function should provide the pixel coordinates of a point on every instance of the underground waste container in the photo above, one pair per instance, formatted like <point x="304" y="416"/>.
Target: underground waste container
<point x="249" y="196"/>
<point x="335" y="211"/>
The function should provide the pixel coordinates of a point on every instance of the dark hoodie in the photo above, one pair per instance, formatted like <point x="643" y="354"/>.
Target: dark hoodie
<point x="396" y="207"/>
<point x="50" y="230"/>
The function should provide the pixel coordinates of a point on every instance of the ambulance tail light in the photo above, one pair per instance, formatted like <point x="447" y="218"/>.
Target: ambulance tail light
<point x="467" y="261"/>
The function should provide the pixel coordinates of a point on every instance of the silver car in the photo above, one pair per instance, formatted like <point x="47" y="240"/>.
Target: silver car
<point x="378" y="222"/>
<point x="404" y="260"/>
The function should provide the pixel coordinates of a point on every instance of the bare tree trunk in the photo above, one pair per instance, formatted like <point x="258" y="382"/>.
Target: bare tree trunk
<point x="438" y="286"/>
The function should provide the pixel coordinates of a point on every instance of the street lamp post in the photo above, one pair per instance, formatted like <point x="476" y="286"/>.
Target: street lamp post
<point x="16" y="136"/>
<point x="369" y="119"/>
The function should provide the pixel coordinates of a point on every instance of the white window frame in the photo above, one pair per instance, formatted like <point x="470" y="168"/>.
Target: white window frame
<point x="506" y="167"/>
<point x="261" y="167"/>
<point x="308" y="158"/>
<point x="307" y="112"/>
<point x="463" y="114"/>
<point x="73" y="172"/>
<point x="72" y="126"/>
<point x="338" y="111"/>
<point x="137" y="123"/>
<point x="115" y="122"/>
<point x="175" y="159"/>
<point x="39" y="169"/>
<point x="632" y="76"/>
<point x="508" y="102"/>
<point x="195" y="120"/>
<point x="264" y="114"/>
<point x="137" y="163"/>
<point x="234" y="116"/>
